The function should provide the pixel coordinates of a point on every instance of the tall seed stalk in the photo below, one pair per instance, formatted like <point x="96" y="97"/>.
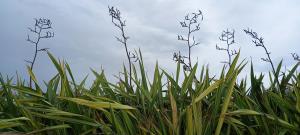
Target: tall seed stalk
<point x="259" y="42"/>
<point x="41" y="30"/>
<point x="192" y="23"/>
<point x="120" y="24"/>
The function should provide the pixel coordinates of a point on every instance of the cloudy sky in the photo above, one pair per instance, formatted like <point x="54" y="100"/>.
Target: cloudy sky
<point x="84" y="34"/>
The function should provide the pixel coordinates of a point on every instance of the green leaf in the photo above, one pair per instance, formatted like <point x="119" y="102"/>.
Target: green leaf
<point x="243" y="112"/>
<point x="174" y="110"/>
<point x="63" y="126"/>
<point x="207" y="91"/>
<point x="14" y="122"/>
<point x="27" y="90"/>
<point x="226" y="103"/>
<point x="189" y="80"/>
<point x="97" y="105"/>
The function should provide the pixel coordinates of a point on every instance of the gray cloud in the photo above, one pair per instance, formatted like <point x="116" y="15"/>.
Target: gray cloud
<point x="84" y="35"/>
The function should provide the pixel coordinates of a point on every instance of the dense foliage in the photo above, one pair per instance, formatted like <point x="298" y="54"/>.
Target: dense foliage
<point x="195" y="104"/>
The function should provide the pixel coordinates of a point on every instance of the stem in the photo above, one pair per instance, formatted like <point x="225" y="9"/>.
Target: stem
<point x="272" y="65"/>
<point x="129" y="63"/>
<point x="116" y="15"/>
<point x="229" y="57"/>
<point x="188" y="40"/>
<point x="35" y="55"/>
<point x="127" y="52"/>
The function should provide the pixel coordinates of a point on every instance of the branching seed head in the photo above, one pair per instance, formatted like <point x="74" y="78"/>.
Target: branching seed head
<point x="41" y="29"/>
<point x="177" y="57"/>
<point x="228" y="37"/>
<point x="192" y="23"/>
<point x="120" y="24"/>
<point x="259" y="42"/>
<point x="295" y="56"/>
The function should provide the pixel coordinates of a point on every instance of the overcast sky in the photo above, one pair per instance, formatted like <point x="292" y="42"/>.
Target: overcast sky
<point x="84" y="34"/>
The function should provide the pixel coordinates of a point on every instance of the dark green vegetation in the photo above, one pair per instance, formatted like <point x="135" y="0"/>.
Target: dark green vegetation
<point x="164" y="105"/>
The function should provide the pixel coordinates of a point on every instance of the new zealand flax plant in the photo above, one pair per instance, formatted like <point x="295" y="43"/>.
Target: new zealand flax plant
<point x="161" y="106"/>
